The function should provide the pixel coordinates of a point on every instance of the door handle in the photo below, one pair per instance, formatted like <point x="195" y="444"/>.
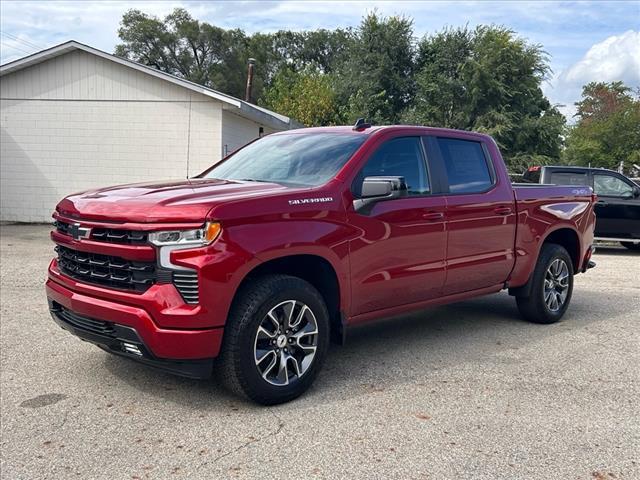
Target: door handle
<point x="503" y="210"/>
<point x="433" y="216"/>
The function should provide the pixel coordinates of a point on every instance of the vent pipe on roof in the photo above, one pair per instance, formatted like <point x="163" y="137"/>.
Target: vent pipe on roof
<point x="247" y="93"/>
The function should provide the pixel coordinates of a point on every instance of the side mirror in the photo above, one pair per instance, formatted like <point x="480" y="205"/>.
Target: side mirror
<point x="375" y="189"/>
<point x="636" y="192"/>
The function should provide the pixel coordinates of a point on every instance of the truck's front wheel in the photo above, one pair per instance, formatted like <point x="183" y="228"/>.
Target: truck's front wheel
<point x="552" y="286"/>
<point x="276" y="339"/>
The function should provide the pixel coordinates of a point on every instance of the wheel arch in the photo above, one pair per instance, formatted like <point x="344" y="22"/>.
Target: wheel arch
<point x="316" y="270"/>
<point x="564" y="236"/>
<point x="569" y="239"/>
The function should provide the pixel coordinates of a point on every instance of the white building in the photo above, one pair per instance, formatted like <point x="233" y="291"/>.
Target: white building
<point x="73" y="117"/>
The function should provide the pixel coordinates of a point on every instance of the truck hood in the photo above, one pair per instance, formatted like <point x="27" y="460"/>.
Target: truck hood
<point x="172" y="201"/>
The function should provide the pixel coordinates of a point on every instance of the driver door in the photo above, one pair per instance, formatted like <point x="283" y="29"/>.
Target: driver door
<point x="398" y="256"/>
<point x="617" y="209"/>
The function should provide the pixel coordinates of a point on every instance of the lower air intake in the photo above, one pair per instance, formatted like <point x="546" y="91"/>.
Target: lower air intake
<point x="186" y="282"/>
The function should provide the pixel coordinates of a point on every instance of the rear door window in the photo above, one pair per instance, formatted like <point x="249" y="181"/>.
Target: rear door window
<point x="466" y="165"/>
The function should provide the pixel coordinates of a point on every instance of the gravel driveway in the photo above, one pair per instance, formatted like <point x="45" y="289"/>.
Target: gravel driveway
<point x="463" y="391"/>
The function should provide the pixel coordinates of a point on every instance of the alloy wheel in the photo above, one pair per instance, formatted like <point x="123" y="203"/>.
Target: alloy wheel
<point x="286" y="342"/>
<point x="556" y="285"/>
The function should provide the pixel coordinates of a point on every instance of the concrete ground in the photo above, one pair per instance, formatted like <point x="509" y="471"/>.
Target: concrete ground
<point x="463" y="391"/>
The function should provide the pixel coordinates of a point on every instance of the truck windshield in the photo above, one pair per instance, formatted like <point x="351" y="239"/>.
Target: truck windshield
<point x="307" y="159"/>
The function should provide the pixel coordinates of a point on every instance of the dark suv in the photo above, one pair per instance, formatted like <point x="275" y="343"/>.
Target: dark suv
<point x="618" y="206"/>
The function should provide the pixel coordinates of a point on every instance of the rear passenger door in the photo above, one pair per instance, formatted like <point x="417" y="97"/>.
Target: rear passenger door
<point x="481" y="215"/>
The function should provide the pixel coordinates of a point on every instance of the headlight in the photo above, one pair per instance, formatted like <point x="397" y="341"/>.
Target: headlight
<point x="199" y="236"/>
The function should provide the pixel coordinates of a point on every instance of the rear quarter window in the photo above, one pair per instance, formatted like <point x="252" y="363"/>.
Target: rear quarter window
<point x="466" y="165"/>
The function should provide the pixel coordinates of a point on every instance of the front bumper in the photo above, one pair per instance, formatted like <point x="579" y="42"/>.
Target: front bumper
<point x="187" y="352"/>
<point x="125" y="341"/>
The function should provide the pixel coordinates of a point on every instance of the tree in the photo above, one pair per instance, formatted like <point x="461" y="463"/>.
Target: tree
<point x="441" y="81"/>
<point x="307" y="96"/>
<point x="488" y="80"/>
<point x="185" y="47"/>
<point x="376" y="79"/>
<point x="321" y="50"/>
<point x="608" y="127"/>
<point x="484" y="79"/>
<point x="601" y="100"/>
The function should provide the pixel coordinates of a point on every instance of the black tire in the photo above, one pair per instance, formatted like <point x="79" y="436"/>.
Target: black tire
<point x="534" y="307"/>
<point x="631" y="246"/>
<point x="238" y="367"/>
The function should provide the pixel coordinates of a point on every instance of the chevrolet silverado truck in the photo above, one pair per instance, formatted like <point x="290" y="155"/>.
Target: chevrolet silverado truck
<point x="251" y="268"/>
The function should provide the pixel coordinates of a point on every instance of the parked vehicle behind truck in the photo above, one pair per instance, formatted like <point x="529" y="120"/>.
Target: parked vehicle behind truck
<point x="255" y="264"/>
<point x="618" y="206"/>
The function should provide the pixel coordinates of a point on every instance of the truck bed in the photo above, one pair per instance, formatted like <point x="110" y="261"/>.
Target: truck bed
<point x="534" y="191"/>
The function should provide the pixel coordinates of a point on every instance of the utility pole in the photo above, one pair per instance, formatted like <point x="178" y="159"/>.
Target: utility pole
<point x="247" y="93"/>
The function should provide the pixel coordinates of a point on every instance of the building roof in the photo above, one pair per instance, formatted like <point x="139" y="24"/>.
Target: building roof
<point x="237" y="106"/>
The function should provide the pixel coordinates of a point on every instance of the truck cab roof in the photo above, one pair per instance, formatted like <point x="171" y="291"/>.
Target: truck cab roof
<point x="374" y="129"/>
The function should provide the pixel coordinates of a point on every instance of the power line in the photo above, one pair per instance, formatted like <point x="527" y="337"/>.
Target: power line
<point x="7" y="45"/>
<point x="25" y="42"/>
<point x="17" y="41"/>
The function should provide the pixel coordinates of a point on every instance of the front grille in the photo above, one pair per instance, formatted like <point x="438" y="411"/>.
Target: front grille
<point x="113" y="235"/>
<point x="84" y="323"/>
<point x="108" y="235"/>
<point x="106" y="270"/>
<point x="186" y="282"/>
<point x="63" y="227"/>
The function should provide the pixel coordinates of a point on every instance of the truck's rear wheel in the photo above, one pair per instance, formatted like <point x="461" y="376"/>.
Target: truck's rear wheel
<point x="552" y="286"/>
<point x="276" y="339"/>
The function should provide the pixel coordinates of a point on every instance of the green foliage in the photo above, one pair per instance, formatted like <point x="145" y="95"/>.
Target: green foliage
<point x="484" y="79"/>
<point x="608" y="127"/>
<point x="375" y="81"/>
<point x="488" y="80"/>
<point x="217" y="58"/>
<point x="307" y="96"/>
<point x="183" y="46"/>
<point x="362" y="73"/>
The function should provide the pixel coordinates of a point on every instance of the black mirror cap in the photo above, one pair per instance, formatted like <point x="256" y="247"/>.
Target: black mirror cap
<point x="380" y="187"/>
<point x="636" y="192"/>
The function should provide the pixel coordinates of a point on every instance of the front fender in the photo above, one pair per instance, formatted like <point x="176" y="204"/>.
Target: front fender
<point x="281" y="238"/>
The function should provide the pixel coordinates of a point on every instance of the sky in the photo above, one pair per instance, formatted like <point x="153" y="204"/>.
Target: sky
<point x="586" y="41"/>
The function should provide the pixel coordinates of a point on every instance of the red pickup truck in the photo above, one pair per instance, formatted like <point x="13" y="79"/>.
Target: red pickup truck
<point x="254" y="265"/>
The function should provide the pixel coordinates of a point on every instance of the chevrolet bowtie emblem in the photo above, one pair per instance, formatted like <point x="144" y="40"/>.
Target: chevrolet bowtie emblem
<point x="78" y="232"/>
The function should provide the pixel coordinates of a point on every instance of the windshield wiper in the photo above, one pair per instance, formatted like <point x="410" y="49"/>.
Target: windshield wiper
<point x="278" y="182"/>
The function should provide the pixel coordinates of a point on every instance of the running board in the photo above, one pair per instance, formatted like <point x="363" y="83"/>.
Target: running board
<point x="607" y="239"/>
